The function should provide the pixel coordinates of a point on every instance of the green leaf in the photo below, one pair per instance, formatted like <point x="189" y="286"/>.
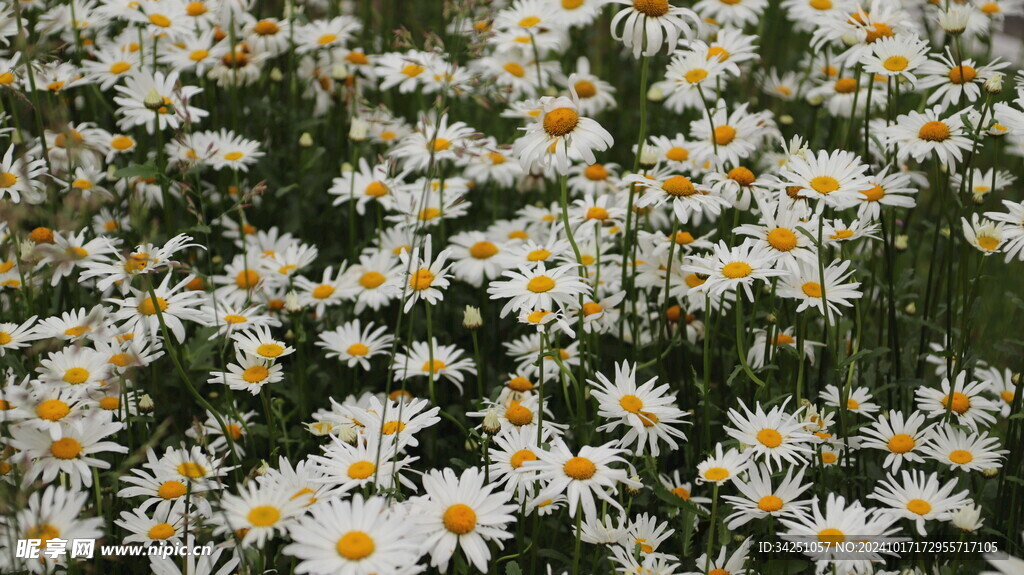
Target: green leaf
<point x="512" y="568"/>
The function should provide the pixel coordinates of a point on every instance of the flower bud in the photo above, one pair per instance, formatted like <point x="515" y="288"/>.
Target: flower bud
<point x="491" y="424"/>
<point x="994" y="84"/>
<point x="359" y="130"/>
<point x="339" y="72"/>
<point x="815" y="100"/>
<point x="650" y="155"/>
<point x="276" y="75"/>
<point x="655" y="94"/>
<point x="348" y="434"/>
<point x="633" y="489"/>
<point x="471" y="318"/>
<point x="263" y="468"/>
<point x="146" y="403"/>
<point x="902" y="242"/>
<point x="153" y="100"/>
<point x="1016" y="378"/>
<point x="990" y="472"/>
<point x="786" y="120"/>
<point x="292" y="304"/>
<point x="305" y="140"/>
<point x="910" y="309"/>
<point x="954" y="21"/>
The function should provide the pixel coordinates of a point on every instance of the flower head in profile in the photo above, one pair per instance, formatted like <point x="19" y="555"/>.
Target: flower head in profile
<point x="648" y="25"/>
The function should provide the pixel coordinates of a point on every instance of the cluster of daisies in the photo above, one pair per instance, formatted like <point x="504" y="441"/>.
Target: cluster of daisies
<point x="749" y="315"/>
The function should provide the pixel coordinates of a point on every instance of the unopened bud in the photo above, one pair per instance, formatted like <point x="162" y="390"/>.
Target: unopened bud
<point x="470" y="445"/>
<point x="655" y="94"/>
<point x="276" y="75"/>
<point x="153" y="100"/>
<point x="954" y="21"/>
<point x="146" y="403"/>
<point x="359" y="130"/>
<point x="994" y="84"/>
<point x="348" y="434"/>
<point x="902" y="242"/>
<point x="990" y="472"/>
<point x="1017" y="378"/>
<point x="305" y="140"/>
<point x="910" y="309"/>
<point x="786" y="120"/>
<point x="292" y="304"/>
<point x="491" y="424"/>
<point x="471" y="318"/>
<point x="650" y="155"/>
<point x="771" y="318"/>
<point x="815" y="100"/>
<point x="339" y="72"/>
<point x="850" y="39"/>
<point x="263" y="468"/>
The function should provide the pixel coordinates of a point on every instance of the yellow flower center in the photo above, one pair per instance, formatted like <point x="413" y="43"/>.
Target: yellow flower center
<point x="266" y="28"/>
<point x="585" y="89"/>
<point x="66" y="448"/>
<point x="460" y="519"/>
<point x="541" y="284"/>
<point x="852" y="404"/>
<point x="580" y="468"/>
<point x="1007" y="396"/>
<point x="696" y="75"/>
<point x="323" y="291"/>
<point x="148" y="306"/>
<point x="191" y="469"/>
<point x="361" y="469"/>
<point x="538" y="255"/>
<point x="247" y="279"/>
<point x="811" y="289"/>
<point x="357" y="349"/>
<point x="483" y="250"/>
<point x="679" y="187"/>
<point x="393" y="427"/>
<point x="120" y="67"/>
<point x="421" y="280"/>
<point x="371" y="280"/>
<point x="682" y="493"/>
<point x="7" y="179"/>
<point x="355" y="545"/>
<point x="234" y="318"/>
<point x="233" y="156"/>
<point x="962" y="74"/>
<point x="376" y="190"/>
<point x="263" y="515"/>
<point x="520" y="457"/>
<point x="677" y="154"/>
<point x="44" y="533"/>
<point x="895" y="63"/>
<point x="560" y="121"/>
<point x="631" y="403"/>
<point x="961" y="457"/>
<point x="515" y="69"/>
<point x="326" y="39"/>
<point x="769" y="503"/>
<point x="821" y="4"/>
<point x="961" y="403"/>
<point x="171" y="489"/>
<point x="161" y="531"/>
<point x="520" y="384"/>
<point x="529" y="22"/>
<point x="76" y="376"/>
<point x="518" y="415"/>
<point x="919" y="506"/>
<point x="651" y="8"/>
<point x="769" y="438"/>
<point x="934" y="131"/>
<point x="590" y="308"/>
<point x="52" y="409"/>
<point x="782" y="239"/>
<point x="269" y="350"/>
<point x="439" y="145"/>
<point x="825" y="184"/>
<point x="433" y="367"/>
<point x="110" y="403"/>
<point x="724" y="135"/>
<point x="716" y="474"/>
<point x="988" y="243"/>
<point x="195" y="9"/>
<point x="901" y="443"/>
<point x="831" y="536"/>
<point x="255" y="374"/>
<point x="160" y="20"/>
<point x="736" y="270"/>
<point x="77" y="331"/>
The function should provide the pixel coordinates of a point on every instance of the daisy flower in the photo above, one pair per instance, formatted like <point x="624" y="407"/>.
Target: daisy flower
<point x="648" y="411"/>
<point x="888" y="189"/>
<point x="18" y="335"/>
<point x="985" y="235"/>
<point x="461" y="512"/>
<point x="859" y="400"/>
<point x="1000" y="384"/>
<point x="919" y="135"/>
<point x="581" y="476"/>
<point x="354" y="537"/>
<point x="74" y="454"/>
<point x="774" y="436"/>
<point x="966" y="451"/>
<point x="53" y="513"/>
<point x="738" y="13"/>
<point x="165" y="525"/>
<point x="838" y="522"/>
<point x="759" y="499"/>
<point x="74" y="366"/>
<point x="950" y="81"/>
<point x="721" y="467"/>
<point x="355" y="345"/>
<point x="897" y="56"/>
<point x="730" y="269"/>
<point x="22" y="176"/>
<point x="721" y="137"/>
<point x="403" y="420"/>
<point x="330" y="291"/>
<point x="448" y="362"/>
<point x="432" y="143"/>
<point x="648" y="533"/>
<point x="257" y="513"/>
<point x="364" y="185"/>
<point x="509" y="450"/>
<point x="558" y="132"/>
<point x="169" y="304"/>
<point x="919" y="498"/>
<point x="346" y="467"/>
<point x="374" y="281"/>
<point x="1013" y="230"/>
<point x="537" y="287"/>
<point x="427" y="276"/>
<point x="250" y="374"/>
<point x="474" y="256"/>
<point x="688" y="199"/>
<point x="647" y="25"/>
<point x="968" y="405"/>
<point x="175" y="109"/>
<point x="837" y="178"/>
<point x="803" y="284"/>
